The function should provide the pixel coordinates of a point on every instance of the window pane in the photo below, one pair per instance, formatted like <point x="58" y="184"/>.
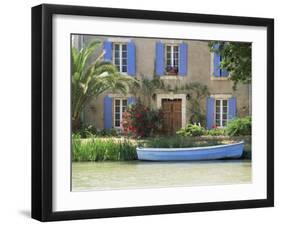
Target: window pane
<point x="217" y="102"/>
<point x="124" y="68"/>
<point x="116" y="62"/>
<point x="168" y="62"/>
<point x="168" y="48"/>
<point x="124" y="54"/>
<point x="117" y="123"/>
<point x="124" y="47"/>
<point x="124" y="62"/>
<point x="224" y="102"/>
<point x="116" y="47"/>
<point x="217" y="123"/>
<point x="124" y="102"/>
<point x="117" y="102"/>
<point x="116" y="52"/>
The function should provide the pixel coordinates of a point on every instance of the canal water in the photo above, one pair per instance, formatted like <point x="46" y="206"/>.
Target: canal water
<point x="88" y="176"/>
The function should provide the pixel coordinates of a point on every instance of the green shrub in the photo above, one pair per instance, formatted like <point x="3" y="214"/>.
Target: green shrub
<point x="91" y="131"/>
<point x="215" y="132"/>
<point x="191" y="130"/>
<point x="86" y="131"/>
<point x="108" y="133"/>
<point x="239" y="126"/>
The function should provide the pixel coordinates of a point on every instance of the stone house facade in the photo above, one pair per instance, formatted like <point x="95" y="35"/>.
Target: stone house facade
<point x="176" y="62"/>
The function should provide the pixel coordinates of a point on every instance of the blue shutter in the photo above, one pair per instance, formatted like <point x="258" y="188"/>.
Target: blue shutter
<point x="131" y="100"/>
<point x="131" y="58"/>
<point x="107" y="112"/>
<point x="231" y="108"/>
<point x="209" y="112"/>
<point x="217" y="60"/>
<point x="159" y="59"/>
<point x="107" y="47"/>
<point x="183" y="59"/>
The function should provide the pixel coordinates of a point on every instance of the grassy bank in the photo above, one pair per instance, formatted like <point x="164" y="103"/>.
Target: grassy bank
<point x="121" y="149"/>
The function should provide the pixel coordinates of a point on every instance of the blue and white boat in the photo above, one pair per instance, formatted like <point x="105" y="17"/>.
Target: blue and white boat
<point x="225" y="151"/>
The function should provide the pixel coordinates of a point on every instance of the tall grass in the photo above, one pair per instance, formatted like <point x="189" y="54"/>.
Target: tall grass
<point x="99" y="149"/>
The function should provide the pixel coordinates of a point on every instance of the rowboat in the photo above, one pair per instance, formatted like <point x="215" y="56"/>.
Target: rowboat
<point x="225" y="151"/>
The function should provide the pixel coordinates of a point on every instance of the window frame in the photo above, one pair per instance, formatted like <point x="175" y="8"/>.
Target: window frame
<point x="172" y="45"/>
<point x="221" y="112"/>
<point x="120" y="66"/>
<point x="120" y="109"/>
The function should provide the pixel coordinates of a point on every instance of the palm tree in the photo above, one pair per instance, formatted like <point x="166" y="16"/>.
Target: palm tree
<point x="90" y="79"/>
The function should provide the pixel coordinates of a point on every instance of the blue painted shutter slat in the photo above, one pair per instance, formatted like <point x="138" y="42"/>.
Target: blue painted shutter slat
<point x="183" y="59"/>
<point x="131" y="58"/>
<point x="131" y="100"/>
<point x="209" y="112"/>
<point x="231" y="107"/>
<point x="159" y="59"/>
<point x="107" y="47"/>
<point x="107" y="112"/>
<point x="217" y="60"/>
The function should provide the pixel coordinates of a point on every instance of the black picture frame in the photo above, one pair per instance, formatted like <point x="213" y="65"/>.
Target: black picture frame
<point x="42" y="108"/>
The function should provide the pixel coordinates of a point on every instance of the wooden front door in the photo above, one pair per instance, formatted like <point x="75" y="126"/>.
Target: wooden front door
<point x="172" y="115"/>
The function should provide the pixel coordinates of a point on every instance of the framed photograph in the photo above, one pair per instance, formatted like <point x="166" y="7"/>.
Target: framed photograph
<point x="145" y="112"/>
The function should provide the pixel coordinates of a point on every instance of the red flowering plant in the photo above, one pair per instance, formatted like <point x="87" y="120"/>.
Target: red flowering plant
<point x="141" y="121"/>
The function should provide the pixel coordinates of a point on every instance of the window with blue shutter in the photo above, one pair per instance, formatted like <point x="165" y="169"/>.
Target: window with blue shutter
<point x="107" y="47"/>
<point x="131" y="58"/>
<point x="183" y="59"/>
<point x="209" y="112"/>
<point x="159" y="61"/>
<point x="217" y="71"/>
<point x="107" y="112"/>
<point x="231" y="108"/>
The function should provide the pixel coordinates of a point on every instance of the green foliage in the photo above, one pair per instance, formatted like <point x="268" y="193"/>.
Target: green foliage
<point x="108" y="133"/>
<point x="196" y="93"/>
<point x="191" y="130"/>
<point x="215" y="132"/>
<point x="144" y="89"/>
<point x="236" y="59"/>
<point x="239" y="126"/>
<point x="141" y="120"/>
<point x="86" y="131"/>
<point x="91" y="131"/>
<point x="102" y="149"/>
<point x="90" y="79"/>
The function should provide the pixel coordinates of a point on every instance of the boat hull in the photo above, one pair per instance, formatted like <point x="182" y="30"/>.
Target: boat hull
<point x="227" y="151"/>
